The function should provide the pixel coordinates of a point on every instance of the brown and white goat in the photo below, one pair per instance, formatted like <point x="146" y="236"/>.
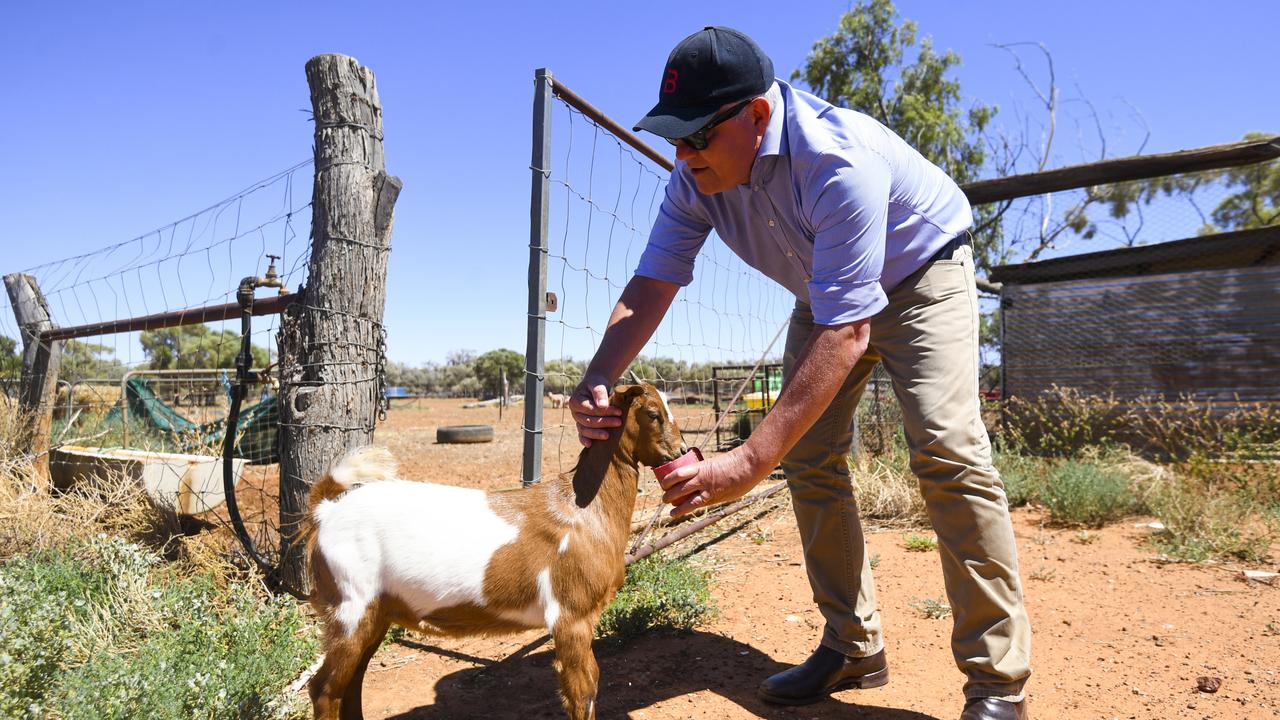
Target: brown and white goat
<point x="454" y="561"/>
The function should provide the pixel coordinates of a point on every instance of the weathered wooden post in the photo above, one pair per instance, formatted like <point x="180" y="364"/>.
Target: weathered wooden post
<point x="40" y="361"/>
<point x="332" y="340"/>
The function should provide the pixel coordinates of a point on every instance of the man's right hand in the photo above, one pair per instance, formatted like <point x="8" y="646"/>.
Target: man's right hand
<point x="591" y="410"/>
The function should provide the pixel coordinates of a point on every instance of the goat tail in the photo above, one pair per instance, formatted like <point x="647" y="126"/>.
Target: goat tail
<point x="362" y="465"/>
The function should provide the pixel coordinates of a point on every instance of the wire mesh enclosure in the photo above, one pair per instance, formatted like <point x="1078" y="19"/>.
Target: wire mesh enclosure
<point x="596" y="191"/>
<point x="1180" y="304"/>
<point x="144" y="383"/>
<point x="602" y="190"/>
<point x="129" y="366"/>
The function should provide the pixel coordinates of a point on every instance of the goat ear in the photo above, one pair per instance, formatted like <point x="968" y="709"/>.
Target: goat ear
<point x="624" y="394"/>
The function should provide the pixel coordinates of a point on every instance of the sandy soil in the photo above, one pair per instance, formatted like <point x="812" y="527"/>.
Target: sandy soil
<point x="1118" y="634"/>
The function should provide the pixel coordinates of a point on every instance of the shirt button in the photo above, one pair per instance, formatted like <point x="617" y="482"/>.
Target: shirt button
<point x="791" y="253"/>
<point x="771" y="222"/>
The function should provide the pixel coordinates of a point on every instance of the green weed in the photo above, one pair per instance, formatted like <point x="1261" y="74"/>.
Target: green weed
<point x="102" y="630"/>
<point x="1084" y="537"/>
<point x="1043" y="573"/>
<point x="1087" y="493"/>
<point x="919" y="543"/>
<point x="1200" y="525"/>
<point x="659" y="592"/>
<point x="932" y="608"/>
<point x="1023" y="476"/>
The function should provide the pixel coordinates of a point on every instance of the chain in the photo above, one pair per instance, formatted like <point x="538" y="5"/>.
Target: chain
<point x="384" y="402"/>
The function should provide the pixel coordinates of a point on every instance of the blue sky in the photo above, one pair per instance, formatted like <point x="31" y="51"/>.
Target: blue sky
<point x="121" y="118"/>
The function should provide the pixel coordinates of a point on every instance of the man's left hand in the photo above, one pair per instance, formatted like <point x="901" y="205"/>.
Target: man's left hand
<point x="719" y="479"/>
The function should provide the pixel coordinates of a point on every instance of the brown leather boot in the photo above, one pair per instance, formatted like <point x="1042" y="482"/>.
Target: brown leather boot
<point x="825" y="672"/>
<point x="993" y="709"/>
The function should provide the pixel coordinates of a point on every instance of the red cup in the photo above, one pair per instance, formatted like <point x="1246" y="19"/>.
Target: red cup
<point x="690" y="457"/>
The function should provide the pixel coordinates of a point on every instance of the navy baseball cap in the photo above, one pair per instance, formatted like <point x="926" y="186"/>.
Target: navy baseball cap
<point x="707" y="70"/>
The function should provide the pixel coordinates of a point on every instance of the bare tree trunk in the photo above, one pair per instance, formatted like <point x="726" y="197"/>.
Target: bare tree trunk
<point x="332" y="341"/>
<point x="40" y="361"/>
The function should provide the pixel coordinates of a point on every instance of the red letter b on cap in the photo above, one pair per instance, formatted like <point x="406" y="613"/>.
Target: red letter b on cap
<point x="669" y="83"/>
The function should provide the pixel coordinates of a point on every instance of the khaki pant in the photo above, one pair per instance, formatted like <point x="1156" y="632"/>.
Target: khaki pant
<point x="927" y="338"/>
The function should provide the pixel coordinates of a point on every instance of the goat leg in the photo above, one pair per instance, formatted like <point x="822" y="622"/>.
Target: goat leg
<point x="335" y="689"/>
<point x="352" y="700"/>
<point x="576" y="666"/>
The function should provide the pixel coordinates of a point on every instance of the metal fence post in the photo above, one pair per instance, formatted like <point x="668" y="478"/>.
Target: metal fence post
<point x="534" y="362"/>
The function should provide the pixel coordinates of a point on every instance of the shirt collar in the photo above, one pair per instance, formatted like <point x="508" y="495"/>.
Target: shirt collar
<point x="774" y="142"/>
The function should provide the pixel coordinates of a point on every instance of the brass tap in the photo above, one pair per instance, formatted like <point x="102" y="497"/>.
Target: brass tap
<point x="272" y="278"/>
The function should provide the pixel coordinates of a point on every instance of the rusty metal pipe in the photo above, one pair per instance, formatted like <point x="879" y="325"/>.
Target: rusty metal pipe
<point x="193" y="316"/>
<point x="609" y="124"/>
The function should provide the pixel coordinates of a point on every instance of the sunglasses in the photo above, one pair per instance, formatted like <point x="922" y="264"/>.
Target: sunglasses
<point x="698" y="139"/>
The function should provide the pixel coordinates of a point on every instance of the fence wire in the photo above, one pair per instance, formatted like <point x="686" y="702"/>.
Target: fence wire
<point x="604" y="197"/>
<point x="154" y="403"/>
<point x="1140" y="212"/>
<point x="1157" y="295"/>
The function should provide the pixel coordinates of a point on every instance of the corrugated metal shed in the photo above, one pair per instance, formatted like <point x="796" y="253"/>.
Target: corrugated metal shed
<point x="1197" y="317"/>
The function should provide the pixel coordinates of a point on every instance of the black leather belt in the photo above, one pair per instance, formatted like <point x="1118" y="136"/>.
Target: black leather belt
<point x="948" y="251"/>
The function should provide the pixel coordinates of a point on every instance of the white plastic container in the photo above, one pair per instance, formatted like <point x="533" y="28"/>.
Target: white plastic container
<point x="183" y="484"/>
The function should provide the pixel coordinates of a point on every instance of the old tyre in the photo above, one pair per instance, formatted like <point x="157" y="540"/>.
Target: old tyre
<point x="464" y="434"/>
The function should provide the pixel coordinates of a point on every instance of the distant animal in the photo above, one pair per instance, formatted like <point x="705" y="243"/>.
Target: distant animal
<point x="454" y="561"/>
<point x="558" y="400"/>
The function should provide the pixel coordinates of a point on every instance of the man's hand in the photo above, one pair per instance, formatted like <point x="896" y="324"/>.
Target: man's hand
<point x="721" y="478"/>
<point x="589" y="404"/>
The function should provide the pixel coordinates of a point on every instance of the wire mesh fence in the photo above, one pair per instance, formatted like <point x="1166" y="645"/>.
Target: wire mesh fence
<point x="153" y="388"/>
<point x="1139" y="212"/>
<point x="153" y="403"/>
<point x="1156" y="296"/>
<point x="603" y="197"/>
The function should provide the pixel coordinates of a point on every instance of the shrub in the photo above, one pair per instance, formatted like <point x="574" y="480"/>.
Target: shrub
<point x="659" y="592"/>
<point x="103" y="630"/>
<point x="1023" y="477"/>
<point x="1201" y="526"/>
<point x="1185" y="429"/>
<point x="1060" y="423"/>
<point x="1086" y="493"/>
<point x="885" y="488"/>
<point x="1065" y="421"/>
<point x="35" y="629"/>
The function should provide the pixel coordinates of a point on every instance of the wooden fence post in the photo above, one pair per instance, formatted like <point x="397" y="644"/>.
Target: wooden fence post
<point x="332" y="340"/>
<point x="40" y="361"/>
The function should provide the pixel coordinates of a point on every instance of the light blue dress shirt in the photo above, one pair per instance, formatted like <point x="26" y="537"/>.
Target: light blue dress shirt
<point x="839" y="210"/>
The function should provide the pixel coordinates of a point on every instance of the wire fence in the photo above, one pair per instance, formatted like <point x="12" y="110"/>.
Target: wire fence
<point x="1138" y="212"/>
<point x="603" y="196"/>
<point x="1156" y="288"/>
<point x="154" y="403"/>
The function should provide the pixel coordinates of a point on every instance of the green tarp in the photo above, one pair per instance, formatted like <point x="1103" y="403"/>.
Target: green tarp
<point x="256" y="429"/>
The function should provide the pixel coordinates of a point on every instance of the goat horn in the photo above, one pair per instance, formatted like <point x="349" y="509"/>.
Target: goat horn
<point x="635" y="378"/>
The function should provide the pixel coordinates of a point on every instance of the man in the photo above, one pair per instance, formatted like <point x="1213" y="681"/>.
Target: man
<point x="873" y="241"/>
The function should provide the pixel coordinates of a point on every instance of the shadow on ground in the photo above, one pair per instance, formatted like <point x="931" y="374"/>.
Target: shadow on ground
<point x="634" y="676"/>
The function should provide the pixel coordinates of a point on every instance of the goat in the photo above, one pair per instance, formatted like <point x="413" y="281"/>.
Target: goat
<point x="454" y="561"/>
<point x="558" y="400"/>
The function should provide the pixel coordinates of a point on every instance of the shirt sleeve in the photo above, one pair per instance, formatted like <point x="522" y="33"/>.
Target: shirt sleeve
<point x="677" y="234"/>
<point x="846" y="201"/>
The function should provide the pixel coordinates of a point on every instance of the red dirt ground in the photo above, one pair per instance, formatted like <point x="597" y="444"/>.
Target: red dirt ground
<point x="1118" y="634"/>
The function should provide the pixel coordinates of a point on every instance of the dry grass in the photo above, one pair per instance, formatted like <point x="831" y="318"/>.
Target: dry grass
<point x="886" y="490"/>
<point x="34" y="516"/>
<point x="96" y="399"/>
<point x="1065" y="421"/>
